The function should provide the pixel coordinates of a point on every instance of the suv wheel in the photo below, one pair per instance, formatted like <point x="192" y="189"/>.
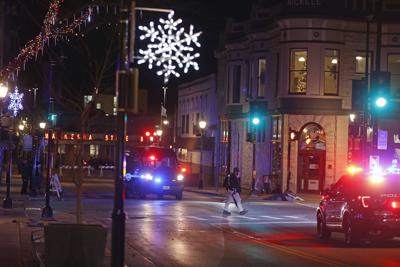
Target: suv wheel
<point x="179" y="196"/>
<point x="322" y="230"/>
<point x="351" y="235"/>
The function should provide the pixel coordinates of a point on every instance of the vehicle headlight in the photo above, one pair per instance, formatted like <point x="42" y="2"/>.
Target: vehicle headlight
<point x="157" y="180"/>
<point x="147" y="176"/>
<point x="180" y="177"/>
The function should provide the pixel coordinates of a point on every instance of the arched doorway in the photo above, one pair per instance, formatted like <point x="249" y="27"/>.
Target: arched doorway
<point x="311" y="161"/>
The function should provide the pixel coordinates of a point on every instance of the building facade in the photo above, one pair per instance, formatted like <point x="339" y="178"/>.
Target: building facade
<point x="197" y="102"/>
<point x="294" y="64"/>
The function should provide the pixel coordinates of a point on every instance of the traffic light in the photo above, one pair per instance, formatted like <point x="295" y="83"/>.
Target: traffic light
<point x="380" y="91"/>
<point x="52" y="118"/>
<point x="258" y="111"/>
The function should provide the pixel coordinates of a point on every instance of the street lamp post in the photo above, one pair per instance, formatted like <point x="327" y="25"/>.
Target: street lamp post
<point x="47" y="211"/>
<point x="7" y="202"/>
<point x="202" y="125"/>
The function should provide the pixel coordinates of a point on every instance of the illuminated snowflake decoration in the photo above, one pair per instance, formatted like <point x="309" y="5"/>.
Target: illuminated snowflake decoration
<point x="15" y="101"/>
<point x="170" y="48"/>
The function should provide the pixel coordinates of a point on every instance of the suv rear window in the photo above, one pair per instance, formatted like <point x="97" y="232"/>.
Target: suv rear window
<point x="151" y="157"/>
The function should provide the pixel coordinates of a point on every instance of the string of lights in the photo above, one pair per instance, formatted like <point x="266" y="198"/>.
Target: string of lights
<point x="53" y="29"/>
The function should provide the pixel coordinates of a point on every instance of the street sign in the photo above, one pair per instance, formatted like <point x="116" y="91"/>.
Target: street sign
<point x="382" y="139"/>
<point x="27" y="142"/>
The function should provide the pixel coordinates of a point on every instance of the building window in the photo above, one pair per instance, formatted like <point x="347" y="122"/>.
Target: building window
<point x="394" y="69"/>
<point x="361" y="61"/>
<point x="183" y="124"/>
<point x="87" y="99"/>
<point x="98" y="105"/>
<point x="276" y="128"/>
<point x="61" y="149"/>
<point x="187" y="124"/>
<point x="298" y="71"/>
<point x="261" y="77"/>
<point x="236" y="79"/>
<point x="94" y="150"/>
<point x="331" y="71"/>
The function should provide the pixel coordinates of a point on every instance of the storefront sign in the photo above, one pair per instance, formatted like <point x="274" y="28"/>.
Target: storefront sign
<point x="382" y="139"/>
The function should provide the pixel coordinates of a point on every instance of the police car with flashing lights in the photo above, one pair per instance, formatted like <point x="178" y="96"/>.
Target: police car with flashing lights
<point x="153" y="170"/>
<point x="361" y="205"/>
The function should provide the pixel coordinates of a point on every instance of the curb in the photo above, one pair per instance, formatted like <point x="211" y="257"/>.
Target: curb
<point x="204" y="192"/>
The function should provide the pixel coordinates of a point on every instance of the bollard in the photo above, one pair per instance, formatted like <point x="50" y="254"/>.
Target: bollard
<point x="60" y="170"/>
<point x="101" y="171"/>
<point x="88" y="171"/>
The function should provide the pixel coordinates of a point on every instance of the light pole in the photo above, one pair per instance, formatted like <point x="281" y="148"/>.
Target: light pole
<point x="7" y="202"/>
<point x="202" y="125"/>
<point x="47" y="211"/>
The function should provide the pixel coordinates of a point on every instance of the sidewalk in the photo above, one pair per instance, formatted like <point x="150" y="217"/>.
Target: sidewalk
<point x="308" y="198"/>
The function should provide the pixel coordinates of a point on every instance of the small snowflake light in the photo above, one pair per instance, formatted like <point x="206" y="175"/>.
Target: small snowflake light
<point x="15" y="101"/>
<point x="169" y="48"/>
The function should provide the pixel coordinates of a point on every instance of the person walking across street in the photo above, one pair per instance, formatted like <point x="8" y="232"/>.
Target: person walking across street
<point x="232" y="185"/>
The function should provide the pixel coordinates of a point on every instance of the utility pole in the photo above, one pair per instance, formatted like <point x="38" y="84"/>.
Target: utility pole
<point x="126" y="79"/>
<point x="374" y="118"/>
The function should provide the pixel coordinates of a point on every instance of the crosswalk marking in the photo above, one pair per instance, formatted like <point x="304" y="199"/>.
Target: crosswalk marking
<point x="292" y="217"/>
<point x="197" y="218"/>
<point x="271" y="217"/>
<point x="246" y="217"/>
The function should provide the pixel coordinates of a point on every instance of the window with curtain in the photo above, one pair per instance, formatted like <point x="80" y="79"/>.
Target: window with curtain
<point x="394" y="69"/>
<point x="298" y="71"/>
<point x="361" y="61"/>
<point x="331" y="72"/>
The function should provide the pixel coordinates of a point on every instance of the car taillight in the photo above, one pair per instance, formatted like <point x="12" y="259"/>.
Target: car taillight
<point x="365" y="200"/>
<point x="395" y="204"/>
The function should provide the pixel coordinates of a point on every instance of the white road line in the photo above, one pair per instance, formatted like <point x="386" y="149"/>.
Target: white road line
<point x="196" y="218"/>
<point x="246" y="217"/>
<point x="292" y="217"/>
<point x="219" y="217"/>
<point x="281" y="222"/>
<point x="271" y="217"/>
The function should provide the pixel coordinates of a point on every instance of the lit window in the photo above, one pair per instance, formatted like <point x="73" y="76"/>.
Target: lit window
<point x="298" y="72"/>
<point x="87" y="99"/>
<point x="262" y="65"/>
<point x="98" y="105"/>
<point x="94" y="150"/>
<point x="394" y="69"/>
<point x="331" y="72"/>
<point x="61" y="149"/>
<point x="360" y="62"/>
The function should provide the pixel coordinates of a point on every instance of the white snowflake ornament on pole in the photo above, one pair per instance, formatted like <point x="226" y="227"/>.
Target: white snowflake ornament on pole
<point x="15" y="101"/>
<point x="169" y="48"/>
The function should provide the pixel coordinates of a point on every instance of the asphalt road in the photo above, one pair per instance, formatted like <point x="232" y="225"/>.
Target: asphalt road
<point x="192" y="232"/>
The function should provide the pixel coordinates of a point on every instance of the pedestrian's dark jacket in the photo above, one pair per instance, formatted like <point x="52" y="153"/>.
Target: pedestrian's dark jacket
<point x="26" y="170"/>
<point x="233" y="182"/>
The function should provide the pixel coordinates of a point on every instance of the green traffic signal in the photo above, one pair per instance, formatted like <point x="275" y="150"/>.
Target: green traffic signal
<point x="380" y="102"/>
<point x="255" y="121"/>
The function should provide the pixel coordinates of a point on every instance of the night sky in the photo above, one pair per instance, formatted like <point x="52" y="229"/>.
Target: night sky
<point x="78" y="57"/>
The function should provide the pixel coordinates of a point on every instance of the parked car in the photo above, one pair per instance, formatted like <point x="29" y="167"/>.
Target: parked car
<point x="365" y="205"/>
<point x="98" y="163"/>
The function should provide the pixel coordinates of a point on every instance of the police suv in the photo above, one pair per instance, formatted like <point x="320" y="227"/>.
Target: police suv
<point x="153" y="170"/>
<point x="363" y="205"/>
